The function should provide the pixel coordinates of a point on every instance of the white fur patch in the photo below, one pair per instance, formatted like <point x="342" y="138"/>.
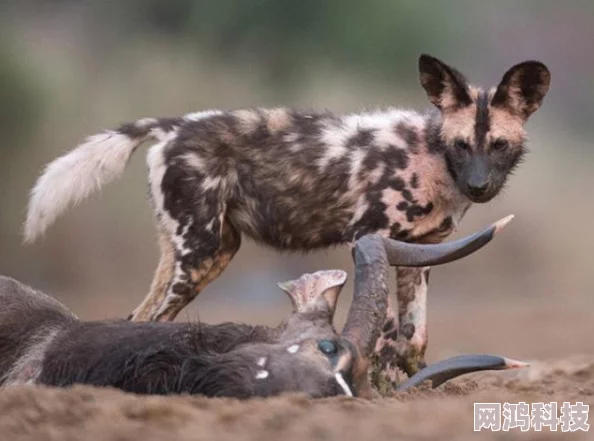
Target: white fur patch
<point x="293" y="349"/>
<point x="194" y="161"/>
<point x="357" y="158"/>
<point x="210" y="225"/>
<point x="28" y="367"/>
<point x="73" y="177"/>
<point x="391" y="198"/>
<point x="157" y="168"/>
<point x="291" y="138"/>
<point x="178" y="239"/>
<point x="360" y="209"/>
<point x="261" y="375"/>
<point x="262" y="361"/>
<point x="143" y="122"/>
<point x="335" y="138"/>
<point x="197" y="116"/>
<point x="210" y="182"/>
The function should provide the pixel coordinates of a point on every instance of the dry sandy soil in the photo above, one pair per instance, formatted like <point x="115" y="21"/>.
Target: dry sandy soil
<point x="82" y="413"/>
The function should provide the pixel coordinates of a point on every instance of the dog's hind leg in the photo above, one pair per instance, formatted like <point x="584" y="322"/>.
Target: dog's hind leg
<point x="162" y="278"/>
<point x="182" y="274"/>
<point x="198" y="271"/>
<point x="197" y="240"/>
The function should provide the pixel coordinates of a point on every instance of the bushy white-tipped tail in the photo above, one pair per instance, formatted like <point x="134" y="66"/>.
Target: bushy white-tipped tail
<point x="69" y="179"/>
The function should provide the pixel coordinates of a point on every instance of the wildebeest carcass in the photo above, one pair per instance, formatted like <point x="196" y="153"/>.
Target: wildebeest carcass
<point x="42" y="342"/>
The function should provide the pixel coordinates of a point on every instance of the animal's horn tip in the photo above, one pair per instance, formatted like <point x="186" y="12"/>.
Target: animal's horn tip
<point x="501" y="223"/>
<point x="285" y="286"/>
<point x="514" y="364"/>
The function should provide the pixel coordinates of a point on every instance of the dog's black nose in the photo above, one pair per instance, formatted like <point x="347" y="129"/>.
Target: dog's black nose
<point x="478" y="190"/>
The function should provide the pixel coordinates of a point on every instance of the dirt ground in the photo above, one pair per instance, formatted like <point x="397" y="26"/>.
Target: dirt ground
<point x="540" y="315"/>
<point x="83" y="413"/>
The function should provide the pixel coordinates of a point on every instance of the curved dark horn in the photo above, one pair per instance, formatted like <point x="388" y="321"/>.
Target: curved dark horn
<point x="368" y="308"/>
<point x="442" y="371"/>
<point x="373" y="255"/>
<point x="409" y="254"/>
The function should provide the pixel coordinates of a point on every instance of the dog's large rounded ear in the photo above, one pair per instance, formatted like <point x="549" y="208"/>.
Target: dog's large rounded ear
<point x="317" y="292"/>
<point x="522" y="88"/>
<point x="446" y="87"/>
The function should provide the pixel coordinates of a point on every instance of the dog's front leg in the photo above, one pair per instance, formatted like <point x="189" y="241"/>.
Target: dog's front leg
<point x="411" y="341"/>
<point x="403" y="340"/>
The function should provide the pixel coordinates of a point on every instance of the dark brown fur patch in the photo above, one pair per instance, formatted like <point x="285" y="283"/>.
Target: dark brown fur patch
<point x="388" y="325"/>
<point x="408" y="330"/>
<point x="133" y="130"/>
<point x="523" y="88"/>
<point x="392" y="335"/>
<point x="445" y="86"/>
<point x="482" y="123"/>
<point x="410" y="136"/>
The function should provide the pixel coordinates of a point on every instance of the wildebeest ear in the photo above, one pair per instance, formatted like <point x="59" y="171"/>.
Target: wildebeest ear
<point x="523" y="88"/>
<point x="446" y="87"/>
<point x="315" y="292"/>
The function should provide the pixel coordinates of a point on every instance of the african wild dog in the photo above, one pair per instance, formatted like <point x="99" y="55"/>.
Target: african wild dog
<point x="300" y="180"/>
<point x="41" y="342"/>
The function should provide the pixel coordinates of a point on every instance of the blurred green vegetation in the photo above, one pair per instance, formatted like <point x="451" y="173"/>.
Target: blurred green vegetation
<point x="285" y="34"/>
<point x="283" y="39"/>
<point x="22" y="101"/>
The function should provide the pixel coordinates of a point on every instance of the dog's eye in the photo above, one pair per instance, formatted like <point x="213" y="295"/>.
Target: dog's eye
<point x="461" y="145"/>
<point x="328" y="347"/>
<point x="499" y="144"/>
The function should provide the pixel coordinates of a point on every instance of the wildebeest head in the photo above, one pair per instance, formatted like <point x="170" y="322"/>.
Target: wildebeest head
<point x="312" y="357"/>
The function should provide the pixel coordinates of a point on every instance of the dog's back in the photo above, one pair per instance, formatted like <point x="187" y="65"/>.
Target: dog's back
<point x="28" y="321"/>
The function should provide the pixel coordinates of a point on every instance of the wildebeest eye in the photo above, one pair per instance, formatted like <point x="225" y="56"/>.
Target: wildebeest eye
<point x="328" y="347"/>
<point x="461" y="145"/>
<point x="499" y="144"/>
